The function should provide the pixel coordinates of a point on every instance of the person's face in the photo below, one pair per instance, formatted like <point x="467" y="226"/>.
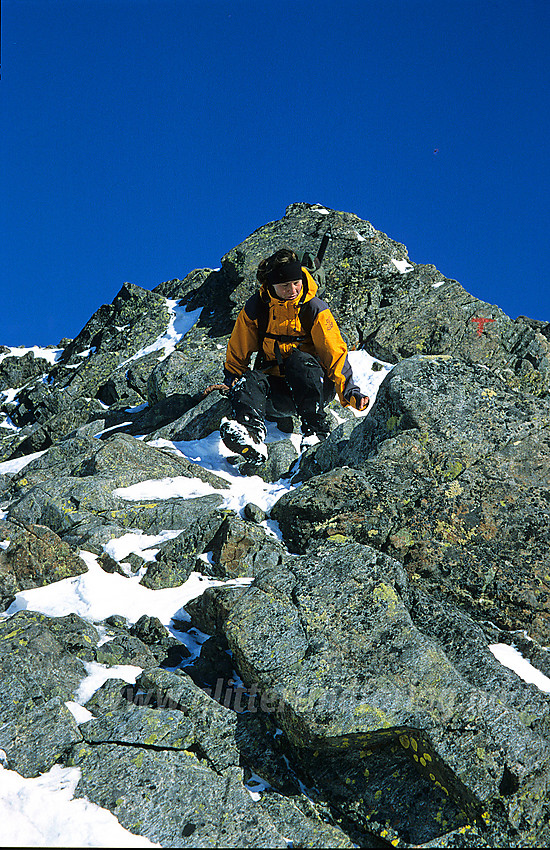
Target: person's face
<point x="289" y="290"/>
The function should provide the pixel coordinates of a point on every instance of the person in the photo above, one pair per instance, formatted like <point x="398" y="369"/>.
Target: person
<point x="302" y="360"/>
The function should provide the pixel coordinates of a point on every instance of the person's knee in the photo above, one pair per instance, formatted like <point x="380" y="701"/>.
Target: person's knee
<point x="304" y="365"/>
<point x="248" y="399"/>
<point x="250" y="384"/>
<point x="297" y="356"/>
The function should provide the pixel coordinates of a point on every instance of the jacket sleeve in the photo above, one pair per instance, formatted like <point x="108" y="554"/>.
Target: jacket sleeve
<point x="242" y="343"/>
<point x="332" y="352"/>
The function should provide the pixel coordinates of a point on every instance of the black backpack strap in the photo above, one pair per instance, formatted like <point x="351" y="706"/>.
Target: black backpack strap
<point x="262" y="319"/>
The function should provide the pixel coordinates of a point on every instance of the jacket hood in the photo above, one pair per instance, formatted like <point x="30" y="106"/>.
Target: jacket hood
<point x="309" y="290"/>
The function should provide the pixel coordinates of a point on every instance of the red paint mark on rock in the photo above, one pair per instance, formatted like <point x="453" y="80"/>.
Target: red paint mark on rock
<point x="481" y="322"/>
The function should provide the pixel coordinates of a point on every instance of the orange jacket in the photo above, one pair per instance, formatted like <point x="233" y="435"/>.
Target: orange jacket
<point x="305" y="318"/>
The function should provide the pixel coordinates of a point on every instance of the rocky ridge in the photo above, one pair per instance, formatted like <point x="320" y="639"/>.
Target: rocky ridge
<point x="353" y="674"/>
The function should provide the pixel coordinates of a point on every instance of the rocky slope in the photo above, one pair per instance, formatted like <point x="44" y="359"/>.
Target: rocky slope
<point x="354" y="673"/>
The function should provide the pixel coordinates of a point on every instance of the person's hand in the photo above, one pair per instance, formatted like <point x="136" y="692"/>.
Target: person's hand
<point x="360" y="402"/>
<point x="230" y="381"/>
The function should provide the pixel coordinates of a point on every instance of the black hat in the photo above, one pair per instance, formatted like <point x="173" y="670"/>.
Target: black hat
<point x="284" y="273"/>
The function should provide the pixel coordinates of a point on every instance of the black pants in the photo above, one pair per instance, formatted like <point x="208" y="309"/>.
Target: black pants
<point x="304" y="390"/>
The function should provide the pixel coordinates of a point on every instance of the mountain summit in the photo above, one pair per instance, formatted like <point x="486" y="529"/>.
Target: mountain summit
<point x="332" y="678"/>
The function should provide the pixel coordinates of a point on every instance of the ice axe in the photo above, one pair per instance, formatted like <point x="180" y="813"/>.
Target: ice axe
<point x="307" y="259"/>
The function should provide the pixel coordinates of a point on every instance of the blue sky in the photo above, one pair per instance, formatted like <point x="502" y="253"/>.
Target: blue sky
<point x="141" y="139"/>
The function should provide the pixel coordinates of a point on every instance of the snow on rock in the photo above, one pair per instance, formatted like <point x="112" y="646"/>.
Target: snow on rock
<point x="96" y="595"/>
<point x="42" y="812"/>
<point x="512" y="658"/>
<point x="19" y="463"/>
<point x="98" y="674"/>
<point x="403" y="266"/>
<point x="52" y="355"/>
<point x="180" y="323"/>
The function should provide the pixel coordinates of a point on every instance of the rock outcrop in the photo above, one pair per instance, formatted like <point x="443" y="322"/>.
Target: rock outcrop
<point x="352" y="678"/>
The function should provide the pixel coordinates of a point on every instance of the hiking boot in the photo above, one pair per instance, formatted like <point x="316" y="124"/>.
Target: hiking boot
<point x="314" y="430"/>
<point x="308" y="440"/>
<point x="245" y="441"/>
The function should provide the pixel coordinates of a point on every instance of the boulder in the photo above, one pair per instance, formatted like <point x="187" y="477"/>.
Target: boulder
<point x="213" y="725"/>
<point x="41" y="658"/>
<point x="148" y="420"/>
<point x="117" y="391"/>
<point x="329" y="641"/>
<point x="16" y="371"/>
<point x="75" y="501"/>
<point x="170" y="797"/>
<point x="202" y="419"/>
<point x="88" y="495"/>
<point x="184" y="369"/>
<point x="125" y="649"/>
<point x="34" y="558"/>
<point x="126" y="461"/>
<point x="39" y="738"/>
<point x="138" y="371"/>
<point x="210" y="610"/>
<point x="169" y="729"/>
<point x="242" y="548"/>
<point x="281" y="457"/>
<point x="167" y="650"/>
<point x="112" y="695"/>
<point x="177" y="558"/>
<point x="346" y="501"/>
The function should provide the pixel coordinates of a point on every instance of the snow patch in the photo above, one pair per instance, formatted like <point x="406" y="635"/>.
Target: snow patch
<point x="52" y="355"/>
<point x="10" y="395"/>
<point x="366" y="377"/>
<point x="403" y="266"/>
<point x="42" y="812"/>
<point x="80" y="714"/>
<point x="96" y="595"/>
<point x="166" y="488"/>
<point x="256" y="786"/>
<point x="179" y="324"/>
<point x="137" y="543"/>
<point x="138" y="408"/>
<point x="10" y="467"/>
<point x="98" y="674"/>
<point x="510" y="657"/>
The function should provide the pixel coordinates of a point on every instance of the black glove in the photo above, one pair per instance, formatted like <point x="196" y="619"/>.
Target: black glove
<point x="357" y="399"/>
<point x="229" y="378"/>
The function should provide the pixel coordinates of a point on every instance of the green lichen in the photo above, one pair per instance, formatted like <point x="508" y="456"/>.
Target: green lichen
<point x="453" y="470"/>
<point x="393" y="423"/>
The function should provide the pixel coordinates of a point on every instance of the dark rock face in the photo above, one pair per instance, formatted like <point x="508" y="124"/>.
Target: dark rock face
<point x="16" y="371"/>
<point x="241" y="548"/>
<point x="352" y="674"/>
<point x="453" y="472"/>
